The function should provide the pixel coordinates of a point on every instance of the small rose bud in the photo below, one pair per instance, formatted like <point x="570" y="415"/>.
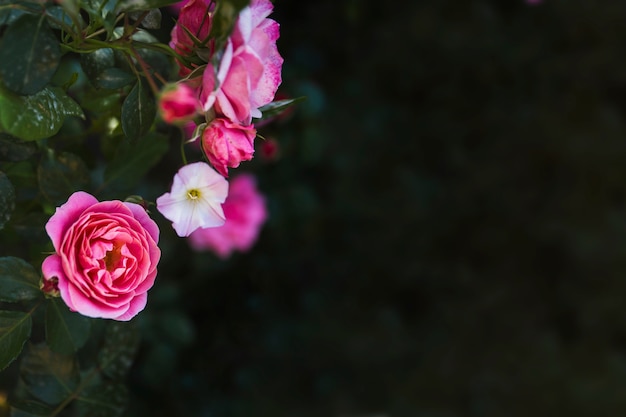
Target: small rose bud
<point x="178" y="104"/>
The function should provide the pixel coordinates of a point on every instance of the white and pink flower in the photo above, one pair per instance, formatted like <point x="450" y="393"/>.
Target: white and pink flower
<point x="195" y="200"/>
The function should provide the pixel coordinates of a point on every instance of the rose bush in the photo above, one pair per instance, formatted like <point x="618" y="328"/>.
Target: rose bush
<point x="106" y="256"/>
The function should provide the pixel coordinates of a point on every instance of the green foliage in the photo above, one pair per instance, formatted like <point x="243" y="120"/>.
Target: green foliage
<point x="138" y="112"/>
<point x="18" y="279"/>
<point x="60" y="175"/>
<point x="29" y="55"/>
<point x="7" y="199"/>
<point x="37" y="116"/>
<point x="15" y="329"/>
<point x="66" y="331"/>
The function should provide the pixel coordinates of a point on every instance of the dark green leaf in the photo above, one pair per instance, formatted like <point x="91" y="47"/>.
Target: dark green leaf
<point x="11" y="10"/>
<point x="120" y="344"/>
<point x="18" y="280"/>
<point x="60" y="175"/>
<point x="152" y="20"/>
<point x="133" y="5"/>
<point x="13" y="150"/>
<point x="138" y="112"/>
<point x="58" y="18"/>
<point x="102" y="399"/>
<point x="49" y="376"/>
<point x="66" y="331"/>
<point x="14" y="331"/>
<point x="113" y="78"/>
<point x="95" y="63"/>
<point x="7" y="200"/>
<point x="38" y="116"/>
<point x="29" y="55"/>
<point x="276" y="107"/>
<point x="29" y="408"/>
<point x="134" y="159"/>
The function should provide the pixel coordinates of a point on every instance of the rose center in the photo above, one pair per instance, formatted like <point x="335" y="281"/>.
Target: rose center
<point x="193" y="194"/>
<point x="112" y="257"/>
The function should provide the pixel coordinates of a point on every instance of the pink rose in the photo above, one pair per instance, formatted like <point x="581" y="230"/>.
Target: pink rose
<point x="226" y="144"/>
<point x="250" y="69"/>
<point x="196" y="18"/>
<point x="245" y="213"/>
<point x="178" y="103"/>
<point x="106" y="256"/>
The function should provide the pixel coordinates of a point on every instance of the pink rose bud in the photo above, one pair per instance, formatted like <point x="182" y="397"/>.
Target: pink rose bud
<point x="105" y="257"/>
<point x="245" y="213"/>
<point x="226" y="144"/>
<point x="178" y="104"/>
<point x="194" y="17"/>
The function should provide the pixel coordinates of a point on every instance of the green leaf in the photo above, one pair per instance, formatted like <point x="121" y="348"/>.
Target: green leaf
<point x="133" y="5"/>
<point x="138" y="112"/>
<point x="94" y="63"/>
<point x="7" y="200"/>
<point x="37" y="116"/>
<point x="276" y="107"/>
<point x="49" y="376"/>
<point x="134" y="159"/>
<point x="121" y="341"/>
<point x="29" y="55"/>
<point x="15" y="329"/>
<point x="113" y="78"/>
<point x="66" y="331"/>
<point x="60" y="175"/>
<point x="13" y="149"/>
<point x="102" y="399"/>
<point x="18" y="280"/>
<point x="58" y="17"/>
<point x="29" y="408"/>
<point x="11" y="10"/>
<point x="152" y="20"/>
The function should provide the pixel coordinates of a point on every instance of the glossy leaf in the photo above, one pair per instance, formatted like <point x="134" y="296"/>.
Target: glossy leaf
<point x="29" y="55"/>
<point x="113" y="78"/>
<point x="66" y="331"/>
<point x="49" y="376"/>
<point x="94" y="63"/>
<point x="138" y="112"/>
<point x="18" y="280"/>
<point x="133" y="5"/>
<point x="134" y="159"/>
<point x="29" y="408"/>
<point x="15" y="328"/>
<point x="60" y="175"/>
<point x="7" y="199"/>
<point x="37" y="116"/>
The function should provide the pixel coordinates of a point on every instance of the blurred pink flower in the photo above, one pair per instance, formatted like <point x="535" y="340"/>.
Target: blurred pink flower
<point x="250" y="69"/>
<point x="105" y="257"/>
<point x="245" y="213"/>
<point x="195" y="200"/>
<point x="178" y="103"/>
<point x="226" y="144"/>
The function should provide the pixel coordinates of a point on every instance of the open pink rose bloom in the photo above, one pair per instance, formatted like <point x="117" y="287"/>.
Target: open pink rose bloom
<point x="106" y="256"/>
<point x="245" y="213"/>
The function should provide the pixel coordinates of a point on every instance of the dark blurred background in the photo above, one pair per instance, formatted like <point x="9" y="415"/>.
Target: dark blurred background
<point x="447" y="231"/>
